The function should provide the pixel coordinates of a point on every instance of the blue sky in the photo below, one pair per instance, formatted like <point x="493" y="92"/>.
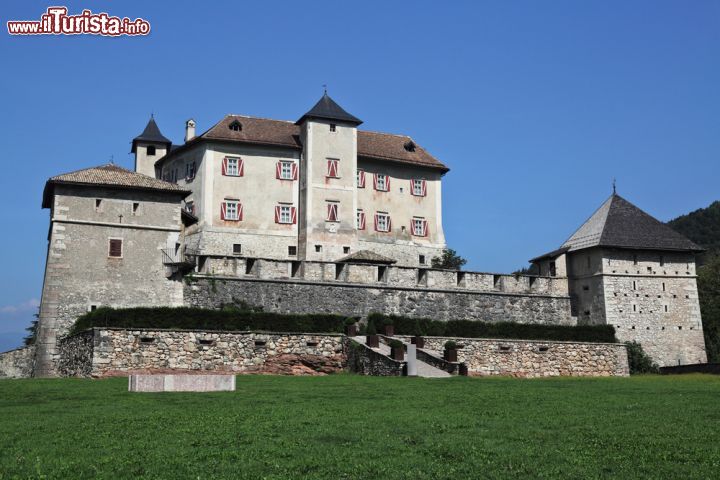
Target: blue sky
<point x="535" y="106"/>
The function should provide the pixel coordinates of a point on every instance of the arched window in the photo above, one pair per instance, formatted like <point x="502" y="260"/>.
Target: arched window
<point x="235" y="126"/>
<point x="151" y="150"/>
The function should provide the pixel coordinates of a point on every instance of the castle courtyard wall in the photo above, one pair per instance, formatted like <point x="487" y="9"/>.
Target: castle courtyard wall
<point x="17" y="363"/>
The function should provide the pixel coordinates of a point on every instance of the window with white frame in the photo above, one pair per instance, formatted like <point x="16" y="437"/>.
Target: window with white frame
<point x="382" y="222"/>
<point x="232" y="167"/>
<point x="286" y="170"/>
<point x="333" y="166"/>
<point x="419" y="188"/>
<point x="419" y="226"/>
<point x="285" y="214"/>
<point x="382" y="182"/>
<point x="190" y="171"/>
<point x="231" y="210"/>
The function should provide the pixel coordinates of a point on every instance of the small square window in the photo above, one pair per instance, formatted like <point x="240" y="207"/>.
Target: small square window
<point x="318" y="248"/>
<point x="333" y="127"/>
<point x="421" y="259"/>
<point x="346" y="250"/>
<point x="98" y="204"/>
<point x="237" y="248"/>
<point x="292" y="250"/>
<point x="135" y="208"/>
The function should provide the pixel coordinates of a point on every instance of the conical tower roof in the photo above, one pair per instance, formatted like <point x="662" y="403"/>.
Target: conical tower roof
<point x="150" y="134"/>
<point x="618" y="223"/>
<point x="327" y="109"/>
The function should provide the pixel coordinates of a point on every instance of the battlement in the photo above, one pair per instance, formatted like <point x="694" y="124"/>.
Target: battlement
<point x="378" y="276"/>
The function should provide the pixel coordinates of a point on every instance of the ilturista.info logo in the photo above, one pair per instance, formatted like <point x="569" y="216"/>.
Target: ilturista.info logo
<point x="56" y="21"/>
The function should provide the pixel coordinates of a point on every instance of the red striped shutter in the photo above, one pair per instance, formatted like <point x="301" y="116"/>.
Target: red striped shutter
<point x="278" y="170"/>
<point x="332" y="168"/>
<point x="389" y="224"/>
<point x="424" y="188"/>
<point x="241" y="167"/>
<point x="293" y="215"/>
<point x="222" y="211"/>
<point x="425" y="228"/>
<point x="224" y="165"/>
<point x="332" y="214"/>
<point x="362" y="221"/>
<point x="277" y="214"/>
<point x="376" y="223"/>
<point x="361" y="178"/>
<point x="294" y="171"/>
<point x="375" y="181"/>
<point x="240" y="212"/>
<point x="387" y="183"/>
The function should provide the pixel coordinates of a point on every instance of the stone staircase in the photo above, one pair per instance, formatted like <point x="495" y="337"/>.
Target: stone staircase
<point x="424" y="369"/>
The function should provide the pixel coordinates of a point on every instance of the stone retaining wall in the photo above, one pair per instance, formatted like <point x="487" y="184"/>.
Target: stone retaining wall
<point x="17" y="363"/>
<point x="536" y="358"/>
<point x="293" y="296"/>
<point x="366" y="361"/>
<point x="106" y="352"/>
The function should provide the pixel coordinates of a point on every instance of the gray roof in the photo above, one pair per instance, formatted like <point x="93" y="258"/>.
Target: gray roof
<point x="366" y="256"/>
<point x="327" y="109"/>
<point x="110" y="175"/>
<point x="618" y="223"/>
<point x="150" y="134"/>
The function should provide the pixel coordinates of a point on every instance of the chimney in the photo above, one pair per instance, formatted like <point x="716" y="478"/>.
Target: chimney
<point x="189" y="130"/>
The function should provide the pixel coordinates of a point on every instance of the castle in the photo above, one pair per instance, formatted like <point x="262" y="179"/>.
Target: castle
<point x="317" y="215"/>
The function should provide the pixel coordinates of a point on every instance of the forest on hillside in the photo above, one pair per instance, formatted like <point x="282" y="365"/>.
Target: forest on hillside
<point x="703" y="227"/>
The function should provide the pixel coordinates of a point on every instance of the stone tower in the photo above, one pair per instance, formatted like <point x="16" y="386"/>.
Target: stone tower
<point x="148" y="147"/>
<point x="631" y="271"/>
<point x="328" y="197"/>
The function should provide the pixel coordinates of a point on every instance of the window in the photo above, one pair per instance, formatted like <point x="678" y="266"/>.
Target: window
<point x="382" y="273"/>
<point x="231" y="210"/>
<point x="553" y="269"/>
<point x="98" y="205"/>
<point x="635" y="259"/>
<point x="382" y="222"/>
<point x="235" y="126"/>
<point x="135" y="208"/>
<point x="421" y="259"/>
<point x="115" y="248"/>
<point x="663" y="286"/>
<point x="662" y="261"/>
<point x="292" y="250"/>
<point x="419" y="227"/>
<point x="332" y="212"/>
<point x="237" y="248"/>
<point x="285" y="214"/>
<point x="286" y="170"/>
<point x="409" y="146"/>
<point x="318" y="248"/>
<point x="333" y="127"/>
<point x="419" y="188"/>
<point x="360" y="220"/>
<point x="346" y="250"/>
<point x="190" y="207"/>
<point x="589" y="262"/>
<point x="586" y="287"/>
<point x="151" y="150"/>
<point x="233" y="167"/>
<point x="382" y="182"/>
<point x="333" y="168"/>
<point x="634" y="285"/>
<point x="93" y="308"/>
<point x="360" y="179"/>
<point x="189" y="171"/>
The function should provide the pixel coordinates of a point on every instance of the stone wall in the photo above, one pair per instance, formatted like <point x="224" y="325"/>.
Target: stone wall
<point x="120" y="351"/>
<point x="297" y="296"/>
<point x="366" y="361"/>
<point x="534" y="358"/>
<point x="17" y="363"/>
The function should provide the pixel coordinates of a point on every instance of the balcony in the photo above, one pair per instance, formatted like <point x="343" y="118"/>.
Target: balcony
<point x="178" y="260"/>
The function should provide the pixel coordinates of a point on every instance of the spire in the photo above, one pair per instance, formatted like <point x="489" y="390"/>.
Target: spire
<point x="150" y="134"/>
<point x="327" y="109"/>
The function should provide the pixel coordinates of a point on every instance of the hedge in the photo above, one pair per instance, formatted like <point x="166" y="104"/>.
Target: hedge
<point x="510" y="330"/>
<point x="184" y="318"/>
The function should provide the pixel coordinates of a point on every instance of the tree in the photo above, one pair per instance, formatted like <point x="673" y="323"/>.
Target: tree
<point x="32" y="330"/>
<point x="709" y="290"/>
<point x="449" y="260"/>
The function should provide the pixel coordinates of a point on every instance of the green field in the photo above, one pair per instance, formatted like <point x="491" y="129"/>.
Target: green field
<point x="347" y="426"/>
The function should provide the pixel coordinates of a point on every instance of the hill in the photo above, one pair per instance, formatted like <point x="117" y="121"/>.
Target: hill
<point x="702" y="227"/>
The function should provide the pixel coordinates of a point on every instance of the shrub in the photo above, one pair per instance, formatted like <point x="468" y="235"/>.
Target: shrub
<point x="396" y="344"/>
<point x="450" y="345"/>
<point x="371" y="329"/>
<point x="350" y="321"/>
<point x="185" y="318"/>
<point x="639" y="361"/>
<point x="510" y="330"/>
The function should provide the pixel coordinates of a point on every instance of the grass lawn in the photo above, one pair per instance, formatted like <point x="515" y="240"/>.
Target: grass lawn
<point x="347" y="426"/>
